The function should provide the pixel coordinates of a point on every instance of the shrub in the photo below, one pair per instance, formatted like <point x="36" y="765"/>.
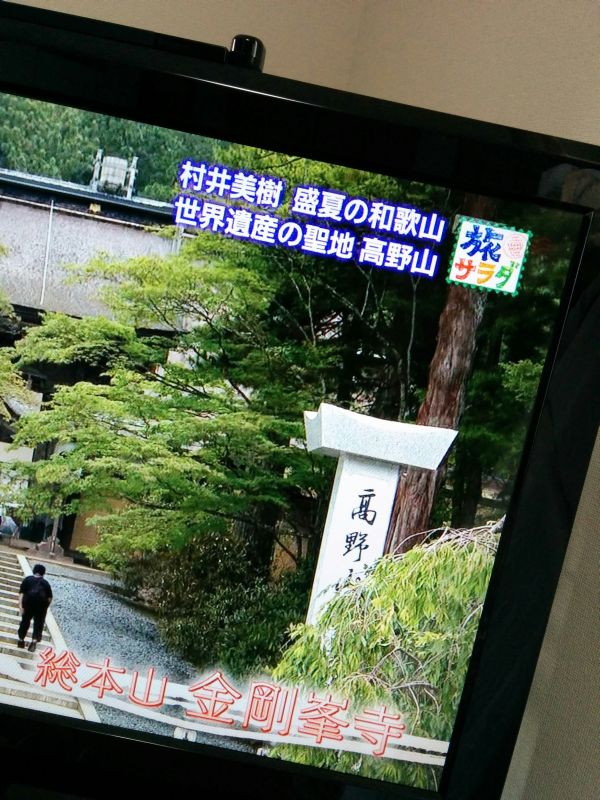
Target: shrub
<point x="401" y="637"/>
<point x="214" y="608"/>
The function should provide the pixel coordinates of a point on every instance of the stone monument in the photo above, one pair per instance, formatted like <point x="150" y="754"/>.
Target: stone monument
<point x="369" y="452"/>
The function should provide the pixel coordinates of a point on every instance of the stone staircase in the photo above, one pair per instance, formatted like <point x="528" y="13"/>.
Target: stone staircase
<point x="13" y="568"/>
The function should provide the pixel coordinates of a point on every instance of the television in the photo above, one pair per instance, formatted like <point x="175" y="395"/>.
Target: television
<point x="299" y="389"/>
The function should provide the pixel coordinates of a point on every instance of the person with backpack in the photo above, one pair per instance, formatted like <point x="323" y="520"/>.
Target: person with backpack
<point x="35" y="595"/>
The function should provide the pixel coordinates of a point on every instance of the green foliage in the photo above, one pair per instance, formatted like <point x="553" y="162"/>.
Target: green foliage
<point x="210" y="433"/>
<point x="62" y="339"/>
<point x="12" y="387"/>
<point x="511" y="346"/>
<point x="400" y="637"/>
<point x="10" y="322"/>
<point x="45" y="139"/>
<point x="205" y="435"/>
<point x="129" y="539"/>
<point x="213" y="606"/>
<point x="521" y="379"/>
<point x="494" y="444"/>
<point x="497" y="409"/>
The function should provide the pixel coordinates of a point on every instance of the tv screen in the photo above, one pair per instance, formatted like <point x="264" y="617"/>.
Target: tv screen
<point x="262" y="418"/>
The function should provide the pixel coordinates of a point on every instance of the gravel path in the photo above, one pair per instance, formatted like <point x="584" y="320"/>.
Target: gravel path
<point x="97" y="623"/>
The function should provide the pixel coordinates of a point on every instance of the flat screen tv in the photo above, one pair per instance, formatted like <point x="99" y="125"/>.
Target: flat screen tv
<point x="298" y="391"/>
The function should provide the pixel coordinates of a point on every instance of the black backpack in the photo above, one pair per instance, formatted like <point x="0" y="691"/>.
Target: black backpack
<point x="37" y="592"/>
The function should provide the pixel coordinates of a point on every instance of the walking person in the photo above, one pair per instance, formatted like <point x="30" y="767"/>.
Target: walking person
<point x="35" y="595"/>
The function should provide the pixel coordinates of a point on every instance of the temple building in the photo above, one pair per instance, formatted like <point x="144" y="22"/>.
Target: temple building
<point x="46" y="225"/>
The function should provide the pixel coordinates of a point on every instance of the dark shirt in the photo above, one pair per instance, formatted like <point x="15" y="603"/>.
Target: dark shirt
<point x="35" y="590"/>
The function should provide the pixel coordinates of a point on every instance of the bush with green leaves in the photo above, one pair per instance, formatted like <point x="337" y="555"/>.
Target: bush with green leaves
<point x="215" y="608"/>
<point x="401" y="637"/>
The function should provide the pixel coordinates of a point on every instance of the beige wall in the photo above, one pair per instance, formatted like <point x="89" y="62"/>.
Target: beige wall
<point x="557" y="753"/>
<point x="35" y="270"/>
<point x="533" y="64"/>
<point x="84" y="535"/>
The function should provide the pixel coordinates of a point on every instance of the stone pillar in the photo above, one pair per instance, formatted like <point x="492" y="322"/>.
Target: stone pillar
<point x="369" y="452"/>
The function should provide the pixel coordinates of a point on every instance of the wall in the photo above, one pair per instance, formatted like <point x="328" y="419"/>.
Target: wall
<point x="34" y="272"/>
<point x="531" y="64"/>
<point x="556" y="755"/>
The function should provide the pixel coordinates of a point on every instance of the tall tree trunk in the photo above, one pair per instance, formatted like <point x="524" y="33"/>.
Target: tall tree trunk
<point x="442" y="407"/>
<point x="444" y="400"/>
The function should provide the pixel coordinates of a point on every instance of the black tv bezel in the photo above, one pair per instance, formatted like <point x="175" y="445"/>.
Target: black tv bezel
<point x="160" y="80"/>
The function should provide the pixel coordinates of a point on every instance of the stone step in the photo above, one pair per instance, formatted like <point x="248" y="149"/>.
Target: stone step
<point x="12" y="566"/>
<point x="13" y="650"/>
<point x="11" y="583"/>
<point x="11" y="573"/>
<point x="11" y="623"/>
<point x="12" y="692"/>
<point x="11" y="586"/>
<point x="10" y="559"/>
<point x="10" y="626"/>
<point x="11" y="569"/>
<point x="13" y="590"/>
<point x="8" y="686"/>
<point x="27" y="664"/>
<point x="9" y="610"/>
<point x="10" y="614"/>
<point x="39" y="705"/>
<point x="12" y="620"/>
<point x="11" y="638"/>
